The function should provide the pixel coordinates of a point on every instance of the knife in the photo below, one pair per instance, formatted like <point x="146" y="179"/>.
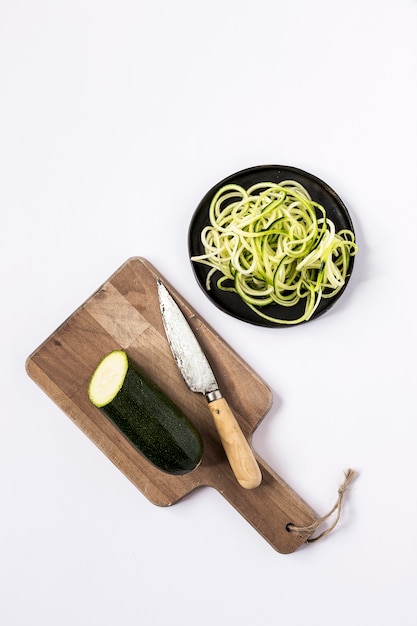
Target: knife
<point x="198" y="375"/>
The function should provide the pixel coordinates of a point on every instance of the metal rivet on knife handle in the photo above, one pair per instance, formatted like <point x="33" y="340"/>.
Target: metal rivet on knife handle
<point x="198" y="375"/>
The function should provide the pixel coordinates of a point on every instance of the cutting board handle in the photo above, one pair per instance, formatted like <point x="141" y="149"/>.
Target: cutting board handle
<point x="273" y="509"/>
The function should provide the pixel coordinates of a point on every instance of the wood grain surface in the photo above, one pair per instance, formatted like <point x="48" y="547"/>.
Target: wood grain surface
<point x="124" y="314"/>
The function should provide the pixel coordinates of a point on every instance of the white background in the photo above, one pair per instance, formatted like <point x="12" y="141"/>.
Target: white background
<point x="116" y="117"/>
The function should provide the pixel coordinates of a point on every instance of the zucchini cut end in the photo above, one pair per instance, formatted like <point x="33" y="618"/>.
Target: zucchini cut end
<point x="108" y="378"/>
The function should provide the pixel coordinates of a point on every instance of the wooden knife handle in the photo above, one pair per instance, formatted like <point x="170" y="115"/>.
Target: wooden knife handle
<point x="238" y="451"/>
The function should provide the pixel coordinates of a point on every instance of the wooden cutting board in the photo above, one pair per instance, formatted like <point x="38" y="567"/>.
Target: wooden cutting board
<point x="124" y="314"/>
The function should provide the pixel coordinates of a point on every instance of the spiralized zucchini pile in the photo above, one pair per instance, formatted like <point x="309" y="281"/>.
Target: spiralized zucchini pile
<point x="272" y="244"/>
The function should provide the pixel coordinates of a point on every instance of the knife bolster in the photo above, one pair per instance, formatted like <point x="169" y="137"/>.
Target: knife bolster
<point x="213" y="395"/>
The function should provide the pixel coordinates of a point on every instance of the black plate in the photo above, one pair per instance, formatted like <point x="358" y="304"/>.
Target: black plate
<point x="231" y="303"/>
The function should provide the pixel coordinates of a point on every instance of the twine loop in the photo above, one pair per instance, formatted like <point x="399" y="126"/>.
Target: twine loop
<point x="336" y="509"/>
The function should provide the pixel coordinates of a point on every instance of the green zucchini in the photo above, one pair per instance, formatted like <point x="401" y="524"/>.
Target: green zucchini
<point x="143" y="413"/>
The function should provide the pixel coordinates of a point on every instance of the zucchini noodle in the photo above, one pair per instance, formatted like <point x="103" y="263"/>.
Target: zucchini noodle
<point x="272" y="244"/>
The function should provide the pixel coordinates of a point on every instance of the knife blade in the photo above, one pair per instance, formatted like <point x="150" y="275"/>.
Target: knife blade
<point x="199" y="376"/>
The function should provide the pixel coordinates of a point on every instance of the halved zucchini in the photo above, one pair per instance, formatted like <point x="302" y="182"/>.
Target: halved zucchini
<point x="150" y="420"/>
